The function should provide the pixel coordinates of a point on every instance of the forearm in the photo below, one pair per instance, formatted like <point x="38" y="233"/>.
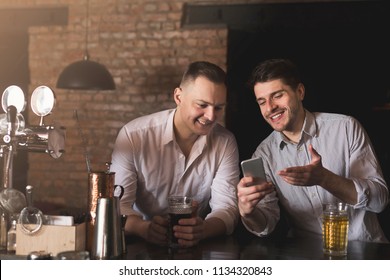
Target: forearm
<point x="340" y="187"/>
<point x="213" y="227"/>
<point x="135" y="225"/>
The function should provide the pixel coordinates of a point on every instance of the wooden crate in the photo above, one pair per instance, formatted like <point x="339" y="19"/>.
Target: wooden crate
<point x="52" y="239"/>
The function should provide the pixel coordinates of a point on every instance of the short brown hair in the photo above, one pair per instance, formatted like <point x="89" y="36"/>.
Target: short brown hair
<point x="206" y="69"/>
<point x="274" y="69"/>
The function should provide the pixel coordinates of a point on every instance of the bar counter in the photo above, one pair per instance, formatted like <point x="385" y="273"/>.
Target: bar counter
<point x="246" y="247"/>
<point x="255" y="248"/>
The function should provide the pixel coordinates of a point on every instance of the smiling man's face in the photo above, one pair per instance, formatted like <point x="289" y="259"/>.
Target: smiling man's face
<point x="280" y="105"/>
<point x="200" y="104"/>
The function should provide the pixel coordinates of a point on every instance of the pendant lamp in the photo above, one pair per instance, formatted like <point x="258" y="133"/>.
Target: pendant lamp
<point x="86" y="74"/>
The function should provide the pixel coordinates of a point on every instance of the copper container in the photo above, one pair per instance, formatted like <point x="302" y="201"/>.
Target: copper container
<point x="100" y="184"/>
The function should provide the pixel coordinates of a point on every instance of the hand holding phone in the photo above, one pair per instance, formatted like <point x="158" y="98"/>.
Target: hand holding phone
<point x="253" y="167"/>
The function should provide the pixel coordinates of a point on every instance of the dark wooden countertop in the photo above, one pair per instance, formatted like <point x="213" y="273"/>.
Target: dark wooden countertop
<point x="247" y="247"/>
<point x="255" y="248"/>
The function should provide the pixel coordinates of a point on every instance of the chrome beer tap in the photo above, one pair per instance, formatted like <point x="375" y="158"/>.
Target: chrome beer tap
<point x="16" y="136"/>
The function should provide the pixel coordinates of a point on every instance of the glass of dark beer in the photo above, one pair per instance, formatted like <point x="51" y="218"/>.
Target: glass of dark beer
<point x="180" y="207"/>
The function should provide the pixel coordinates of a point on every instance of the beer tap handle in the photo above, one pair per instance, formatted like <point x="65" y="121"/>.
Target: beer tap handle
<point x="11" y="119"/>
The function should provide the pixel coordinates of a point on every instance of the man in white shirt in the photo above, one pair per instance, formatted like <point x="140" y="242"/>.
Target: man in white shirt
<point x="310" y="159"/>
<point x="182" y="151"/>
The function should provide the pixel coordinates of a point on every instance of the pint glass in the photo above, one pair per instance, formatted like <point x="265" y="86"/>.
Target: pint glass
<point x="335" y="223"/>
<point x="180" y="207"/>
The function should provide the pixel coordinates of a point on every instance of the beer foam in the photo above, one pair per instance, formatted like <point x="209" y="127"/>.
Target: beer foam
<point x="180" y="209"/>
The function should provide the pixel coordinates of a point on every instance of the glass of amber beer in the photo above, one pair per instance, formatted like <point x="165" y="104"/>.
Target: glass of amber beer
<point x="180" y="207"/>
<point x="335" y="223"/>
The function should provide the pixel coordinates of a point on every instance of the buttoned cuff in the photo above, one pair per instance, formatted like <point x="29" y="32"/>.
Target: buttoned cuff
<point x="363" y="195"/>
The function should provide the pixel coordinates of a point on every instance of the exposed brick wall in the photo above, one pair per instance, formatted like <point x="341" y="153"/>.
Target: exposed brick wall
<point x="143" y="45"/>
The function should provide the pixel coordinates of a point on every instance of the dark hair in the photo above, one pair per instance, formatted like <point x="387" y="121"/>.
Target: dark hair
<point x="274" y="69"/>
<point x="205" y="69"/>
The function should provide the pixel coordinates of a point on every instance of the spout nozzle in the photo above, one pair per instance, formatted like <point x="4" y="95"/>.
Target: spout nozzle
<point x="108" y="164"/>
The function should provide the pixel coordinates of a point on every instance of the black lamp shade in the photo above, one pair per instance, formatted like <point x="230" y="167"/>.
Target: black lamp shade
<point x="86" y="75"/>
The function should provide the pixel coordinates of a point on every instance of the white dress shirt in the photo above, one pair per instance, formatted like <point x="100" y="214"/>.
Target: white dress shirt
<point x="150" y="165"/>
<point x="345" y="150"/>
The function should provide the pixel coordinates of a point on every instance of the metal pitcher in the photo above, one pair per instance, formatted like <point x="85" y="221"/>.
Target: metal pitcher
<point x="107" y="239"/>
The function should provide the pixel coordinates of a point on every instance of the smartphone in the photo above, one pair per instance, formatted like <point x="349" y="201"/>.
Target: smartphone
<point x="253" y="167"/>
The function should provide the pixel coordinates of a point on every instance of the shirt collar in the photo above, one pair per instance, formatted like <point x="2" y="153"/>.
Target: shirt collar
<point x="169" y="133"/>
<point x="309" y="128"/>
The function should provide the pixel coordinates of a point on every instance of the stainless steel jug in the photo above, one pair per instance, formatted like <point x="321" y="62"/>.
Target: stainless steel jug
<point x="107" y="239"/>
